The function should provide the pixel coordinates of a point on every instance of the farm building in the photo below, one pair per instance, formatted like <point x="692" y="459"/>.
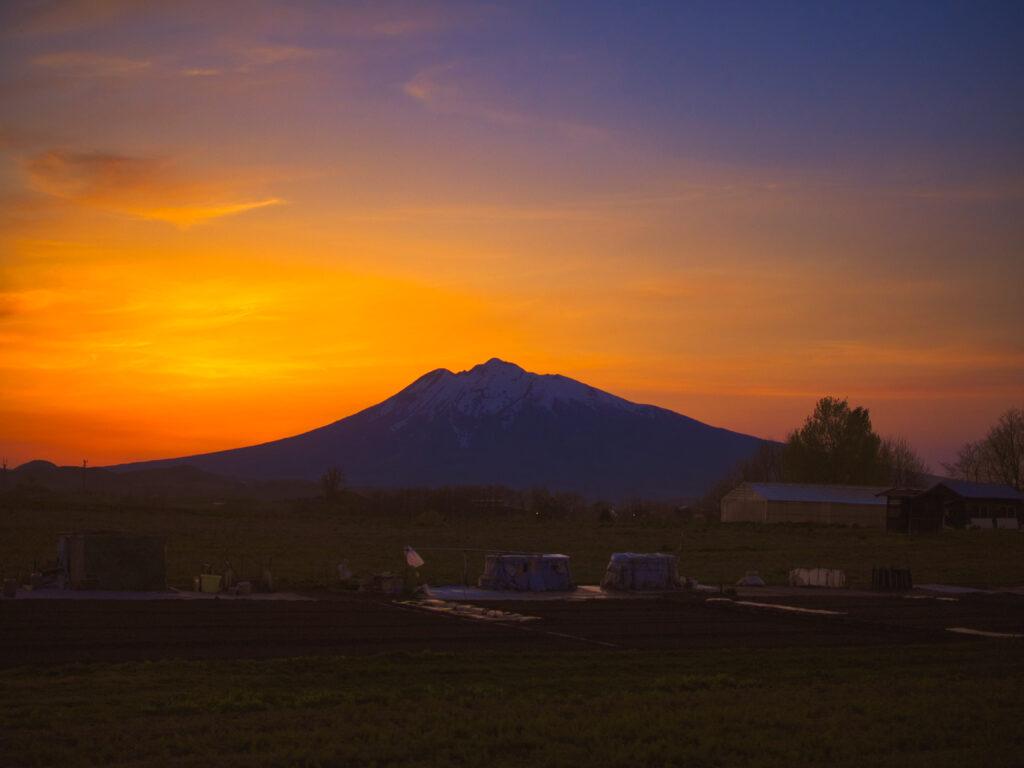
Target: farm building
<point x="858" y="505"/>
<point x="959" y="503"/>
<point x="527" y="573"/>
<point x="630" y="571"/>
<point x="114" y="561"/>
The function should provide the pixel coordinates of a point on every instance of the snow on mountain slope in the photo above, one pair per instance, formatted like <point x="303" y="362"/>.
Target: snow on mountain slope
<point x="495" y="388"/>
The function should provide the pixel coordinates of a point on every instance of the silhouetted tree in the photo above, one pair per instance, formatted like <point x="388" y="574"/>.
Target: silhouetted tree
<point x="969" y="464"/>
<point x="545" y="505"/>
<point x="763" y="466"/>
<point x="899" y="464"/>
<point x="836" y="444"/>
<point x="996" y="458"/>
<point x="331" y="484"/>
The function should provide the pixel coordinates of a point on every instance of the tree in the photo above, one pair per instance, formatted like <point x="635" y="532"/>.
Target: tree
<point x="996" y="458"/>
<point x="836" y="444"/>
<point x="969" y="464"/>
<point x="1005" y="449"/>
<point x="899" y="464"/>
<point x="763" y="466"/>
<point x="331" y="483"/>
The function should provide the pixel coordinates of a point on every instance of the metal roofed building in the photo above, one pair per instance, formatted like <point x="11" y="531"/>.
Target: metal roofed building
<point x="960" y="502"/>
<point x="966" y="489"/>
<point x="858" y="505"/>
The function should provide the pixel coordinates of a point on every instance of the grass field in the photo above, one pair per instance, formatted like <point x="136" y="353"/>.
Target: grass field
<point x="950" y="705"/>
<point x="305" y="546"/>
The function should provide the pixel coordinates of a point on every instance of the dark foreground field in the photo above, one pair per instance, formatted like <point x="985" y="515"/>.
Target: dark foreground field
<point x="953" y="704"/>
<point x="62" y="631"/>
<point x="355" y="680"/>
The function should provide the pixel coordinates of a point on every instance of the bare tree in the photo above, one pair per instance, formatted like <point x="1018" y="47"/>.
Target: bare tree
<point x="996" y="458"/>
<point x="1004" y="449"/>
<point x="763" y="466"/>
<point x="899" y="463"/>
<point x="331" y="483"/>
<point x="969" y="464"/>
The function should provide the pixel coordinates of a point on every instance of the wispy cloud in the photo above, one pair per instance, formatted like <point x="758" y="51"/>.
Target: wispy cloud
<point x="276" y="54"/>
<point x="201" y="72"/>
<point x="228" y="59"/>
<point x="188" y="215"/>
<point x="70" y="16"/>
<point x="13" y="303"/>
<point x="250" y="58"/>
<point x="90" y="64"/>
<point x="152" y="188"/>
<point x="449" y="89"/>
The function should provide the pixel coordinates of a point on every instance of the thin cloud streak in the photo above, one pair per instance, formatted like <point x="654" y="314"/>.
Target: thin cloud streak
<point x="150" y="188"/>
<point x="84" y="64"/>
<point x="446" y="89"/>
<point x="186" y="216"/>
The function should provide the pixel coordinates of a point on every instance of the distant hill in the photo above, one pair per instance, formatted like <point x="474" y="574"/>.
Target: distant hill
<point x="178" y="482"/>
<point x="498" y="424"/>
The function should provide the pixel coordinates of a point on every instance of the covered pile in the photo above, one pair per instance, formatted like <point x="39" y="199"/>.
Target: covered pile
<point x="527" y="573"/>
<point x="632" y="571"/>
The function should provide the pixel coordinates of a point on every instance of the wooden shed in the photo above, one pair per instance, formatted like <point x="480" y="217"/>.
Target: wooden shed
<point x="858" y="505"/>
<point x="904" y="515"/>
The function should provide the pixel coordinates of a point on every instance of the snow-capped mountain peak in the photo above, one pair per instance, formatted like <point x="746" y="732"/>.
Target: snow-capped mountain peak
<point x="496" y="388"/>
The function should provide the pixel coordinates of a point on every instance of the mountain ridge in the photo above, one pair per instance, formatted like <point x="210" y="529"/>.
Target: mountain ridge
<point x="497" y="423"/>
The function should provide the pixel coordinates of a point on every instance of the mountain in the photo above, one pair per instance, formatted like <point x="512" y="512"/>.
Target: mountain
<point x="499" y="424"/>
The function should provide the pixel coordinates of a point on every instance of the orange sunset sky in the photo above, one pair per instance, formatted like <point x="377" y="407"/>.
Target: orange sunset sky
<point x="224" y="223"/>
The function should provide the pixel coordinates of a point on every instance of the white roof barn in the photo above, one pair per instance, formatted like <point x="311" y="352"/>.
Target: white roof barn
<point x="858" y="505"/>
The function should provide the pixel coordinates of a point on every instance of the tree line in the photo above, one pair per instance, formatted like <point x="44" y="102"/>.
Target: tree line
<point x="838" y="445"/>
<point x="998" y="457"/>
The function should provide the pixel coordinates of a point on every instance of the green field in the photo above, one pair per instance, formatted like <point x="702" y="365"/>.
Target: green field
<point x="305" y="545"/>
<point x="951" y="705"/>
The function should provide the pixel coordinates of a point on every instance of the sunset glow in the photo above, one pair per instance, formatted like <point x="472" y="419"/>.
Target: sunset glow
<point x="234" y="224"/>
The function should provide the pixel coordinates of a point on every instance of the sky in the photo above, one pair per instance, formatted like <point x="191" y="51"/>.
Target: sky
<point x="225" y="223"/>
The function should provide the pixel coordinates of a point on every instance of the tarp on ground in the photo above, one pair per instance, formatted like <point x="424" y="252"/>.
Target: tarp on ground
<point x="527" y="573"/>
<point x="635" y="571"/>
